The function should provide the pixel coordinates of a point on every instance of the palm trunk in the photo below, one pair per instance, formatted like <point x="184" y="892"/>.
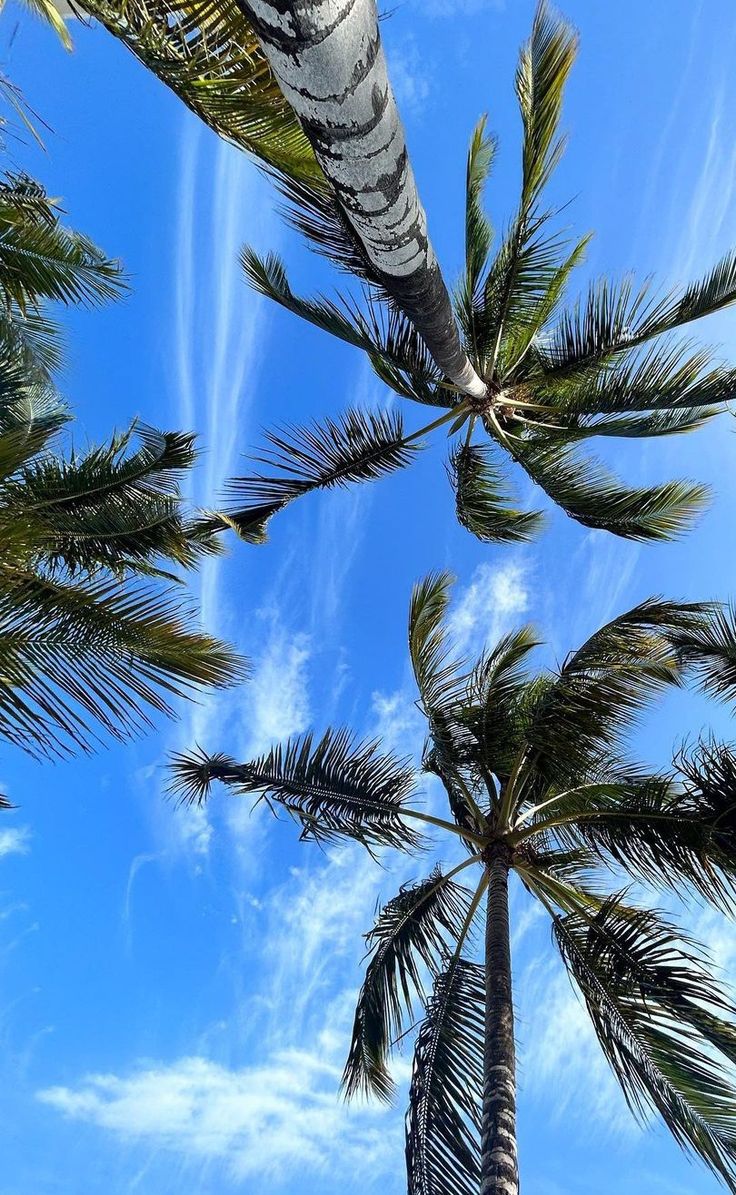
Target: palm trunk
<point x="328" y="58"/>
<point x="499" y="1166"/>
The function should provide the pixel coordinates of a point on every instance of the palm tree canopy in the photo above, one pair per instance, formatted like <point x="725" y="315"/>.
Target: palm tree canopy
<point x="535" y="765"/>
<point x="96" y="631"/>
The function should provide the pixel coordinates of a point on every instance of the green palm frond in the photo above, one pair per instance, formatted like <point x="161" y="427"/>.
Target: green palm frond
<point x="544" y="66"/>
<point x="209" y="56"/>
<point x="480" y="502"/>
<point x="335" y="787"/>
<point x="360" y="446"/>
<point x="591" y="495"/>
<point x="478" y="230"/>
<point x="707" y="648"/>
<point x="443" y="1123"/>
<point x="410" y="935"/>
<point x="41" y="259"/>
<point x="659" y="1018"/>
<point x="602" y="687"/>
<point x="617" y="318"/>
<point x="87" y="660"/>
<point x="498" y="709"/>
<point x="110" y="508"/>
<point x="672" y="835"/>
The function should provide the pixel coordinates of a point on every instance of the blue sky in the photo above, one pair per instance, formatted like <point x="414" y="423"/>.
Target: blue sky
<point x="176" y="987"/>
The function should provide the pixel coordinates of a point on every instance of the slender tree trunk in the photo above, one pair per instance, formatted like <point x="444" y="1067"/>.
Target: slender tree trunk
<point x="328" y="58"/>
<point x="499" y="1166"/>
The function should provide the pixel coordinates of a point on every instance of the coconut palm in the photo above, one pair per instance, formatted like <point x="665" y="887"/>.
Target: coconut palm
<point x="609" y="364"/>
<point x="537" y="780"/>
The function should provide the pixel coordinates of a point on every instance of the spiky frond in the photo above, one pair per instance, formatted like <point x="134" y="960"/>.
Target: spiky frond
<point x="335" y="788"/>
<point x="360" y="446"/>
<point x="617" y="318"/>
<point x="443" y="1123"/>
<point x="602" y="687"/>
<point x="708" y="649"/>
<point x="544" y="66"/>
<point x="110" y="508"/>
<point x="41" y="259"/>
<point x="588" y="493"/>
<point x="660" y="1020"/>
<point x="410" y="935"/>
<point x="480" y="502"/>
<point x="498" y="706"/>
<point x="209" y="56"/>
<point x="82" y="661"/>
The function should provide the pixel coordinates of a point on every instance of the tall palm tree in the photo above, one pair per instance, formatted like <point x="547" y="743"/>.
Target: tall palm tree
<point x="96" y="634"/>
<point x="610" y="364"/>
<point x="537" y="780"/>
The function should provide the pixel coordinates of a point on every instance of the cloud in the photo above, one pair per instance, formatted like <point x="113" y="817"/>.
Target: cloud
<point x="489" y="606"/>
<point x="267" y="1120"/>
<point x="15" y="840"/>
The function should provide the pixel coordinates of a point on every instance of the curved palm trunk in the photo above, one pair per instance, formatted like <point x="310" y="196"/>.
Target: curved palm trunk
<point x="328" y="59"/>
<point x="499" y="1166"/>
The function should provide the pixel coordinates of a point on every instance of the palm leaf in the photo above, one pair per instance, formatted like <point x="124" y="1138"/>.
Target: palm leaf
<point x="602" y="687"/>
<point x="361" y="446"/>
<point x="588" y="493"/>
<point x="336" y="788"/>
<point x="409" y="935"/>
<point x="480" y="502"/>
<point x="658" y="1017"/>
<point x="443" y="1122"/>
<point x="93" y="659"/>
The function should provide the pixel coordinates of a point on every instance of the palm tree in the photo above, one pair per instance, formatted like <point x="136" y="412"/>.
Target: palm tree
<point x="610" y="364"/>
<point x="537" y="781"/>
<point x="95" y="632"/>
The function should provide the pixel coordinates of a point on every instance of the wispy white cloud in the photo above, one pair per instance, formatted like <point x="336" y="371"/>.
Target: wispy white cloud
<point x="15" y="840"/>
<point x="489" y="606"/>
<point x="271" y="1119"/>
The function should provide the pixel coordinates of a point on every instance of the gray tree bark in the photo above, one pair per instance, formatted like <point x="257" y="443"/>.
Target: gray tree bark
<point x="499" y="1164"/>
<point x="328" y="58"/>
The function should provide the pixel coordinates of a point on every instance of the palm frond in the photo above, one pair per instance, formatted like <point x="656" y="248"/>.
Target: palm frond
<point x="110" y="508"/>
<point x="617" y="318"/>
<point x="360" y="446"/>
<point x="209" y="56"/>
<point x="544" y="65"/>
<point x="83" y="661"/>
<point x="445" y="1097"/>
<point x="410" y="935"/>
<point x="659" y="1017"/>
<point x="48" y="12"/>
<point x="708" y="649"/>
<point x="591" y="495"/>
<point x="602" y="687"/>
<point x="335" y="787"/>
<point x="480" y="503"/>
<point x="478" y="230"/>
<point x="498" y="708"/>
<point x="41" y="259"/>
